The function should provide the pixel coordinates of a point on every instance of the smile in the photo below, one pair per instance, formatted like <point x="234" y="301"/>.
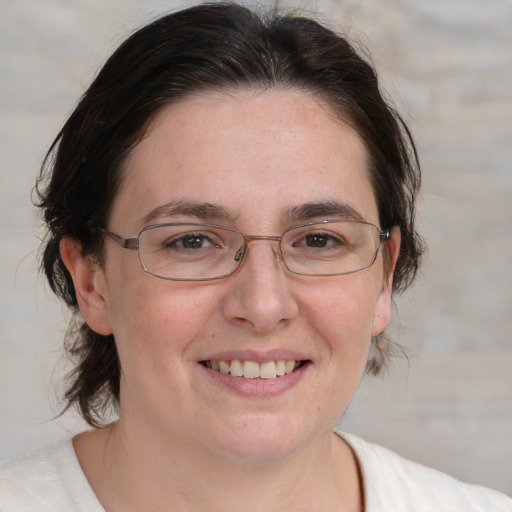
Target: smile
<point x="253" y="369"/>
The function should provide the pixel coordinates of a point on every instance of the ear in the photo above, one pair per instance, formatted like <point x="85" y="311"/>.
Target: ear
<point x="383" y="309"/>
<point x="89" y="281"/>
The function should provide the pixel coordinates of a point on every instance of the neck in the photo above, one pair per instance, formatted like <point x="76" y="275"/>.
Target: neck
<point x="138" y="472"/>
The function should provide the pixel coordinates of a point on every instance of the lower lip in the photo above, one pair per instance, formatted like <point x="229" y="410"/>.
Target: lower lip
<point x="258" y="387"/>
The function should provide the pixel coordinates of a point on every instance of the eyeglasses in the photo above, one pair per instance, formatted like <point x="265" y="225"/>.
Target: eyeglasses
<point x="202" y="252"/>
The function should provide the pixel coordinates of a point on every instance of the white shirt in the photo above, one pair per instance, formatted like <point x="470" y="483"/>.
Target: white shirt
<point x="53" y="481"/>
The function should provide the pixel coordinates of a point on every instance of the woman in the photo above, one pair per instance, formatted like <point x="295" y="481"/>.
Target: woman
<point x="230" y="208"/>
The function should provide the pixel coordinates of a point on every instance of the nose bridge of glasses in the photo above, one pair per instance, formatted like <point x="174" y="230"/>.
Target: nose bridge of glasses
<point x="241" y="252"/>
<point x="250" y="238"/>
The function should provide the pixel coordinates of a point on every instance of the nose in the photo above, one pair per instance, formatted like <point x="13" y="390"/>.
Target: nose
<point x="260" y="297"/>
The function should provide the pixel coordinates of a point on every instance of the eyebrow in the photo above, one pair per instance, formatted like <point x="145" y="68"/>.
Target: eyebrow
<point x="331" y="209"/>
<point x="210" y="212"/>
<point x="202" y="211"/>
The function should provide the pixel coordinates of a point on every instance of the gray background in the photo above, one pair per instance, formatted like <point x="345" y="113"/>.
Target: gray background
<point x="447" y="64"/>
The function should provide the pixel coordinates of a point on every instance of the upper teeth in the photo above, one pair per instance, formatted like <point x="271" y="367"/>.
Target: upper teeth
<point x="254" y="370"/>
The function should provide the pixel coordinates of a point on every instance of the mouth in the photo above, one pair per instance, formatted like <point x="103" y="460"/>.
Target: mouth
<point x="254" y="370"/>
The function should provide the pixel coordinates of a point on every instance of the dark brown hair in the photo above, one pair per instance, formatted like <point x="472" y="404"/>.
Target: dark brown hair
<point x="208" y="47"/>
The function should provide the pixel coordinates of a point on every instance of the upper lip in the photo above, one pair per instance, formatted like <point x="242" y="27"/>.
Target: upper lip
<point x="255" y="355"/>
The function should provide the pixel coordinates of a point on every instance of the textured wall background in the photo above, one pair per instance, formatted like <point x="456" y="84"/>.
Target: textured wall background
<point x="448" y="66"/>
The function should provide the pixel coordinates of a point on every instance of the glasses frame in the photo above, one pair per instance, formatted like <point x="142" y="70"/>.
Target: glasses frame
<point x="133" y="244"/>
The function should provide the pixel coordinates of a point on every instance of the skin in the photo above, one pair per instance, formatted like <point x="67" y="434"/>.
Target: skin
<point x="182" y="437"/>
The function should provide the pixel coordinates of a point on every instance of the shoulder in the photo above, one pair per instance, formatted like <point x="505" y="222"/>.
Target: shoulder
<point x="393" y="483"/>
<point x="51" y="480"/>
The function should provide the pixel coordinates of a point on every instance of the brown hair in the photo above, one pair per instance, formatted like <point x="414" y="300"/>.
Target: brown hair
<point x="207" y="47"/>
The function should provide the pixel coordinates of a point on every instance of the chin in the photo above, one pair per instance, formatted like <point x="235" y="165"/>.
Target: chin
<point x="261" y="439"/>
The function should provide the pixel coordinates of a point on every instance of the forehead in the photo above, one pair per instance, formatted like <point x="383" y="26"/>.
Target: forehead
<point x="247" y="152"/>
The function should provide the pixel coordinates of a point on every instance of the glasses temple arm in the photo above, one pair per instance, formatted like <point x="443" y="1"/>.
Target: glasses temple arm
<point x="385" y="236"/>
<point x="125" y="243"/>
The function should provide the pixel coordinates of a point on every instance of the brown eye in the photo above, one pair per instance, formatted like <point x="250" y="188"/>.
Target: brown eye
<point x="190" y="242"/>
<point x="316" y="240"/>
<point x="319" y="240"/>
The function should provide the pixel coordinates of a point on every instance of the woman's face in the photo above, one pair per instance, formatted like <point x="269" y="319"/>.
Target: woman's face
<point x="257" y="157"/>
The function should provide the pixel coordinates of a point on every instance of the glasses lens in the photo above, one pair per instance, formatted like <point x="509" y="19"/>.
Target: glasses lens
<point x="189" y="251"/>
<point x="330" y="248"/>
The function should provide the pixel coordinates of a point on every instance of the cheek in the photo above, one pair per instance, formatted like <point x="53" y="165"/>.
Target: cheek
<point x="152" y="318"/>
<point x="343" y="310"/>
<point x="340" y="314"/>
<point x="156" y="326"/>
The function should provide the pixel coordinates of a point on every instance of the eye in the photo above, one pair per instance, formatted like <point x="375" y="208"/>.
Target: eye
<point x="191" y="242"/>
<point x="318" y="240"/>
